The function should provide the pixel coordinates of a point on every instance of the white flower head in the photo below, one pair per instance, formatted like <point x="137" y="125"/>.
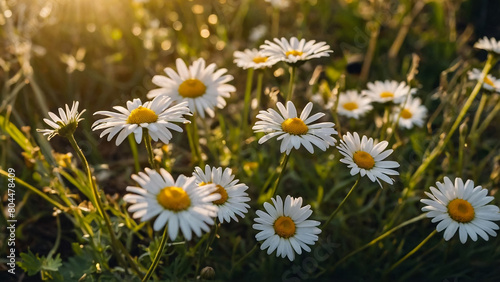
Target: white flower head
<point x="295" y="51"/>
<point x="413" y="113"/>
<point x="233" y="196"/>
<point x="65" y="124"/>
<point x="285" y="227"/>
<point x="462" y="207"/>
<point x="489" y="83"/>
<point x="352" y="104"/>
<point x="201" y="86"/>
<point x="294" y="131"/>
<point x="488" y="44"/>
<point x="366" y="157"/>
<point x="388" y="91"/>
<point x="179" y="203"/>
<point x="157" y="116"/>
<point x="253" y="59"/>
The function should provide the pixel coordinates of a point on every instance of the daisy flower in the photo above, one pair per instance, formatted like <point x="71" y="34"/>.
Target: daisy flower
<point x="157" y="116"/>
<point x="253" y="59"/>
<point x="352" y="104"/>
<point x="233" y="195"/>
<point x="367" y="158"/>
<point x="202" y="87"/>
<point x="463" y="207"/>
<point x="295" y="131"/>
<point x="488" y="44"/>
<point x="179" y="203"/>
<point x="489" y="82"/>
<point x="66" y="124"/>
<point x="388" y="91"/>
<point x="284" y="227"/>
<point x="295" y="51"/>
<point x="412" y="114"/>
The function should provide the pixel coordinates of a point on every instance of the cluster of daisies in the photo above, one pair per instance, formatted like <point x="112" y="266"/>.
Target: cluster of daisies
<point x="191" y="204"/>
<point x="407" y="109"/>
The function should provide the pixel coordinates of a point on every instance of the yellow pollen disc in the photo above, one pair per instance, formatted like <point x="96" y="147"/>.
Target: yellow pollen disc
<point x="363" y="160"/>
<point x="489" y="82"/>
<point x="223" y="195"/>
<point x="259" y="60"/>
<point x="350" y="106"/>
<point x="142" y="115"/>
<point x="386" y="95"/>
<point x="294" y="126"/>
<point x="284" y="227"/>
<point x="294" y="53"/>
<point x="192" y="88"/>
<point x="406" y="114"/>
<point x="461" y="210"/>
<point x="173" y="198"/>
<point x="220" y="190"/>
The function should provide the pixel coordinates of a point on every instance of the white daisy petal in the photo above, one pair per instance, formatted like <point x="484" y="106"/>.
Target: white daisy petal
<point x="286" y="229"/>
<point x="180" y="203"/>
<point x="462" y="207"/>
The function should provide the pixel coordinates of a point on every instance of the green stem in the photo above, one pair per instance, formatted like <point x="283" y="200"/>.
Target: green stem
<point x="147" y="142"/>
<point x="341" y="204"/>
<point x="194" y="141"/>
<point x="413" y="251"/>
<point x="248" y="254"/>
<point x="157" y="257"/>
<point x="488" y="119"/>
<point x="115" y="243"/>
<point x="275" y="24"/>
<point x="441" y="145"/>
<point x="291" y="83"/>
<point x="374" y="241"/>
<point x="258" y="90"/>
<point x="479" y="111"/>
<point x="336" y="93"/>
<point x="135" y="153"/>
<point x="386" y="124"/>
<point x="246" y="109"/>
<point x="280" y="176"/>
<point x="35" y="190"/>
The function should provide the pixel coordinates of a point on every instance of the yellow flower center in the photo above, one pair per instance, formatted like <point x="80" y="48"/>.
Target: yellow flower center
<point x="192" y="88"/>
<point x="350" y="106"/>
<point x="284" y="227"/>
<point x="142" y="115"/>
<point x="259" y="60"/>
<point x="293" y="53"/>
<point x="363" y="160"/>
<point x="461" y="210"/>
<point x="220" y="190"/>
<point x="294" y="126"/>
<point x="386" y="94"/>
<point x="406" y="114"/>
<point x="173" y="198"/>
<point x="489" y="82"/>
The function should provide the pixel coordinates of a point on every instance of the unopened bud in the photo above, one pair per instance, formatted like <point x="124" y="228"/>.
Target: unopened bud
<point x="207" y="273"/>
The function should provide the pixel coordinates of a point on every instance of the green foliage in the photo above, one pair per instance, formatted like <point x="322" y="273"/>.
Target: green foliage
<point x="34" y="264"/>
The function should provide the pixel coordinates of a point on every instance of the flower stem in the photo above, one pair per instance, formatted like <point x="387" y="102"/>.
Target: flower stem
<point x="157" y="257"/>
<point x="116" y="245"/>
<point x="280" y="176"/>
<point x="341" y="204"/>
<point x="258" y="89"/>
<point x="246" y="109"/>
<point x="194" y="141"/>
<point x="441" y="145"/>
<point x="147" y="142"/>
<point x="291" y="83"/>
<point x="135" y="153"/>
<point x="413" y="251"/>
